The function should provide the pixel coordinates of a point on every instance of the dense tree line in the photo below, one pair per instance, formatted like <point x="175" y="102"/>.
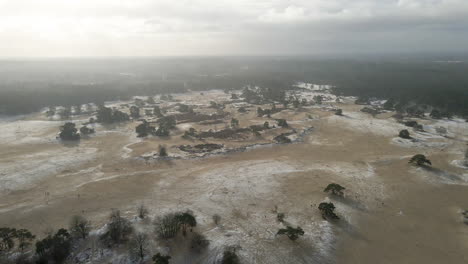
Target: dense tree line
<point x="443" y="85"/>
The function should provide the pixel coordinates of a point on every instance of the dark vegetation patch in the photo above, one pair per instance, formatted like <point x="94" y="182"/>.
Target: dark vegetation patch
<point x="228" y="133"/>
<point x="201" y="148"/>
<point x="197" y="117"/>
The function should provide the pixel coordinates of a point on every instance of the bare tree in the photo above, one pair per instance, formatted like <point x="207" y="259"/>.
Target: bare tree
<point x="118" y="228"/>
<point x="139" y="246"/>
<point x="142" y="211"/>
<point x="79" y="226"/>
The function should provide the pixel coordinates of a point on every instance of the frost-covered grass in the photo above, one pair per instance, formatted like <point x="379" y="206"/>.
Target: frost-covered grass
<point x="365" y="123"/>
<point x="26" y="170"/>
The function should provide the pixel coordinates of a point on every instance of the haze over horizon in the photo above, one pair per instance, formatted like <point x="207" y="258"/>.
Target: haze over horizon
<point x="56" y="28"/>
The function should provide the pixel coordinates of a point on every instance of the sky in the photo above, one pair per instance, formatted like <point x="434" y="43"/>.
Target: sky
<point x="78" y="28"/>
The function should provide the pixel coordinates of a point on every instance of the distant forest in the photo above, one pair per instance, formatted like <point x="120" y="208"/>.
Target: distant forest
<point x="27" y="86"/>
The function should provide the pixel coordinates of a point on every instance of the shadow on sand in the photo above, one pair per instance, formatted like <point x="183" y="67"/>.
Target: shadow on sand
<point x="349" y="202"/>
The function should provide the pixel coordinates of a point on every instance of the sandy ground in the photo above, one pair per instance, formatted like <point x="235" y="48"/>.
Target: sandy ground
<point x="392" y="212"/>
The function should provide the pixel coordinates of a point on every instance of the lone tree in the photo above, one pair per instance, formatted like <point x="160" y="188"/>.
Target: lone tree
<point x="291" y="232"/>
<point x="142" y="211"/>
<point x="79" y="226"/>
<point x="328" y="210"/>
<point x="420" y="160"/>
<point x="161" y="259"/>
<point x="186" y="220"/>
<point x="162" y="151"/>
<point x="404" y="134"/>
<point x="69" y="132"/>
<point x="335" y="189"/>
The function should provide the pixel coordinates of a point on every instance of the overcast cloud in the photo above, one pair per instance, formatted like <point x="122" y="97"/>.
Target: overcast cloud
<point x="238" y="27"/>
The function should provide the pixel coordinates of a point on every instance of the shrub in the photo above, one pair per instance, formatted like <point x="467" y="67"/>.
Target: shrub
<point x="404" y="134"/>
<point x="291" y="232"/>
<point x="69" y="132"/>
<point x="162" y="151"/>
<point x="420" y="160"/>
<point x="328" y="210"/>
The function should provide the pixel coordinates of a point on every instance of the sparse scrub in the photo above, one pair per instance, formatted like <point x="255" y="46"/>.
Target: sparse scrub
<point x="335" y="189"/>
